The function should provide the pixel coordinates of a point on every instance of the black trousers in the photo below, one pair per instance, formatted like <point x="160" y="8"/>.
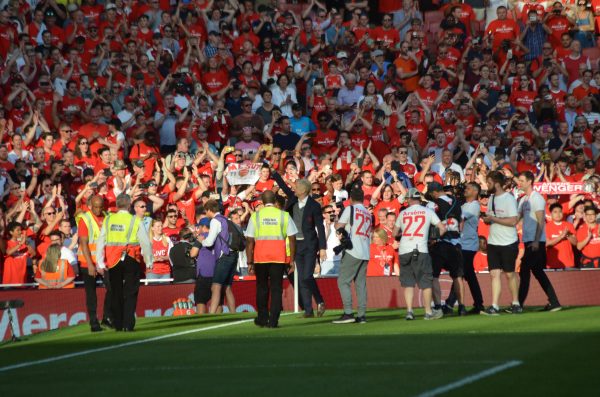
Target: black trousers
<point x="535" y="262"/>
<point x="306" y="259"/>
<point x="91" y="301"/>
<point x="471" y="279"/>
<point x="124" y="286"/>
<point x="269" y="282"/>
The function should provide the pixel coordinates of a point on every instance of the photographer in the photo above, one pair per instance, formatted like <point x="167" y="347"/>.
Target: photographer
<point x="446" y="251"/>
<point x="330" y="266"/>
<point x="533" y="35"/>
<point x="356" y="220"/>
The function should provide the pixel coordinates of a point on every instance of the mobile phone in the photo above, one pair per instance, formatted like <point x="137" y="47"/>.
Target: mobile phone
<point x="23" y="186"/>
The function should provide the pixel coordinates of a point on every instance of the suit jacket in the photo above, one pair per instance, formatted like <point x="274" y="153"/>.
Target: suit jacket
<point x="312" y="221"/>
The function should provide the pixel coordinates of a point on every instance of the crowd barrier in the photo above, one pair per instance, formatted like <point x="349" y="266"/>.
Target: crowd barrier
<point x="51" y="309"/>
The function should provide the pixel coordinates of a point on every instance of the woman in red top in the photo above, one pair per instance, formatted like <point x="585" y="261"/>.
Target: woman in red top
<point x="388" y="201"/>
<point x="161" y="245"/>
<point x="384" y="258"/>
<point x="17" y="252"/>
<point x="83" y="154"/>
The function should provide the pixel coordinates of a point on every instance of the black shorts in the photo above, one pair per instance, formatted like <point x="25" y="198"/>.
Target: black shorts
<point x="503" y="257"/>
<point x="225" y="269"/>
<point x="416" y="270"/>
<point x="447" y="256"/>
<point x="203" y="292"/>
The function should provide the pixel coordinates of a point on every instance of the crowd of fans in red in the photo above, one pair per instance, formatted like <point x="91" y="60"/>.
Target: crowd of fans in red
<point x="163" y="100"/>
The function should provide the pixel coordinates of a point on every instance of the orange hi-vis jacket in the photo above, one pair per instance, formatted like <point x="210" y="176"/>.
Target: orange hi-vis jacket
<point x="121" y="237"/>
<point x="57" y="277"/>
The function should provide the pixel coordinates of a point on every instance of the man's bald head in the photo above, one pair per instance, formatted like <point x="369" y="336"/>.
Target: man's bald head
<point x="268" y="197"/>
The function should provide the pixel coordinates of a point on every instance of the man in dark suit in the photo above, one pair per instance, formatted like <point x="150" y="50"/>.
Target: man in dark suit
<point x="310" y="240"/>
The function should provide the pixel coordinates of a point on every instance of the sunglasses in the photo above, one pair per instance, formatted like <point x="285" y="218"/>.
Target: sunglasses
<point x="276" y="153"/>
<point x="142" y="206"/>
<point x="172" y="216"/>
<point x="68" y="131"/>
<point x="50" y="213"/>
<point x="403" y="152"/>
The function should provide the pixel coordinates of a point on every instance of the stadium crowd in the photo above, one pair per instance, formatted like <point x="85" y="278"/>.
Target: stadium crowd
<point x="180" y="103"/>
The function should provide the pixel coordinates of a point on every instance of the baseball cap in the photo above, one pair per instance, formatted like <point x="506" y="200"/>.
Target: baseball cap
<point x="253" y="84"/>
<point x="230" y="158"/>
<point x="342" y="54"/>
<point x="377" y="53"/>
<point x="119" y="165"/>
<point x="389" y="90"/>
<point x="110" y="6"/>
<point x="414" y="193"/>
<point x="435" y="187"/>
<point x="590" y="164"/>
<point x="138" y="163"/>
<point x="204" y="222"/>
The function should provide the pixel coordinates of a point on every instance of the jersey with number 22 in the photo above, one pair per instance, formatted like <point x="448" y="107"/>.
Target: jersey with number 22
<point x="414" y="223"/>
<point x="360" y="232"/>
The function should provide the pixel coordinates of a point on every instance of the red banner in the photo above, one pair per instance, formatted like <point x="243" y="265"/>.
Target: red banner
<point x="51" y="309"/>
<point x="558" y="187"/>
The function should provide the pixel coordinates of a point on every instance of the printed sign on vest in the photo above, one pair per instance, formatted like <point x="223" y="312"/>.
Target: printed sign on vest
<point x="243" y="174"/>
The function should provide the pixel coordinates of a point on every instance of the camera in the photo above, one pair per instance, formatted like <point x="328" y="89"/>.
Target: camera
<point x="505" y="45"/>
<point x="547" y="63"/>
<point x="345" y="241"/>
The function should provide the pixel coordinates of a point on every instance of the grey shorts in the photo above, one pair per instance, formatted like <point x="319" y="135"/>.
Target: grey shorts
<point x="416" y="270"/>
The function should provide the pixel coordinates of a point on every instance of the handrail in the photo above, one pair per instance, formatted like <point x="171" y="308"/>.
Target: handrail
<point x="147" y="281"/>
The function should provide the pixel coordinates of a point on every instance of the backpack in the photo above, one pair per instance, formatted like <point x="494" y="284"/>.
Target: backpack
<point x="237" y="240"/>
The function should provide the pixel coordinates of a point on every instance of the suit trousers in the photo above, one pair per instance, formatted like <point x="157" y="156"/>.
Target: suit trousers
<point x="269" y="281"/>
<point x="125" y="284"/>
<point x="535" y="262"/>
<point x="91" y="301"/>
<point x="306" y="259"/>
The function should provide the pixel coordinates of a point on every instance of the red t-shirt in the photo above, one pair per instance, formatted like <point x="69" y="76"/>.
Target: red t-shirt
<point x="592" y="249"/>
<point x="559" y="255"/>
<point x="160" y="249"/>
<point x="382" y="255"/>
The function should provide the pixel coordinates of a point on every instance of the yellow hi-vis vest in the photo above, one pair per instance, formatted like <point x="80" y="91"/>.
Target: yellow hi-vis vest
<point x="121" y="236"/>
<point x="270" y="232"/>
<point x="93" y="234"/>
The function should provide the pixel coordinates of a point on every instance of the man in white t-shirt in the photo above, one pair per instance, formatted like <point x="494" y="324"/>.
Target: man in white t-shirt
<point x="503" y="242"/>
<point x="356" y="219"/>
<point x="532" y="210"/>
<point x="415" y="262"/>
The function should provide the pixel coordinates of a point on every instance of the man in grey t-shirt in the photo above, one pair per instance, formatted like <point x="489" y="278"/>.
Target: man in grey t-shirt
<point x="532" y="211"/>
<point x="356" y="219"/>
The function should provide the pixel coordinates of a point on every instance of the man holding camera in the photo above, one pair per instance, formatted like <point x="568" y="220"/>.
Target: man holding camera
<point x="534" y="35"/>
<point x="356" y="220"/>
<point x="415" y="262"/>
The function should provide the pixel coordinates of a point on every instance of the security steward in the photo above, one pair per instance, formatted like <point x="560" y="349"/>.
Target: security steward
<point x="88" y="230"/>
<point x="119" y="249"/>
<point x="266" y="251"/>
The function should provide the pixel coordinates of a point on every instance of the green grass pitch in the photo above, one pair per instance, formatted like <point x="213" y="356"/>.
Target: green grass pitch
<point x="554" y="354"/>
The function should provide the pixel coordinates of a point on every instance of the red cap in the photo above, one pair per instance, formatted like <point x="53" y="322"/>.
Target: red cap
<point x="130" y="99"/>
<point x="230" y="158"/>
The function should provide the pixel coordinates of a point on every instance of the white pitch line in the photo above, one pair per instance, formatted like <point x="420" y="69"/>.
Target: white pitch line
<point x="470" y="379"/>
<point x="118" y="346"/>
<point x="286" y="365"/>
